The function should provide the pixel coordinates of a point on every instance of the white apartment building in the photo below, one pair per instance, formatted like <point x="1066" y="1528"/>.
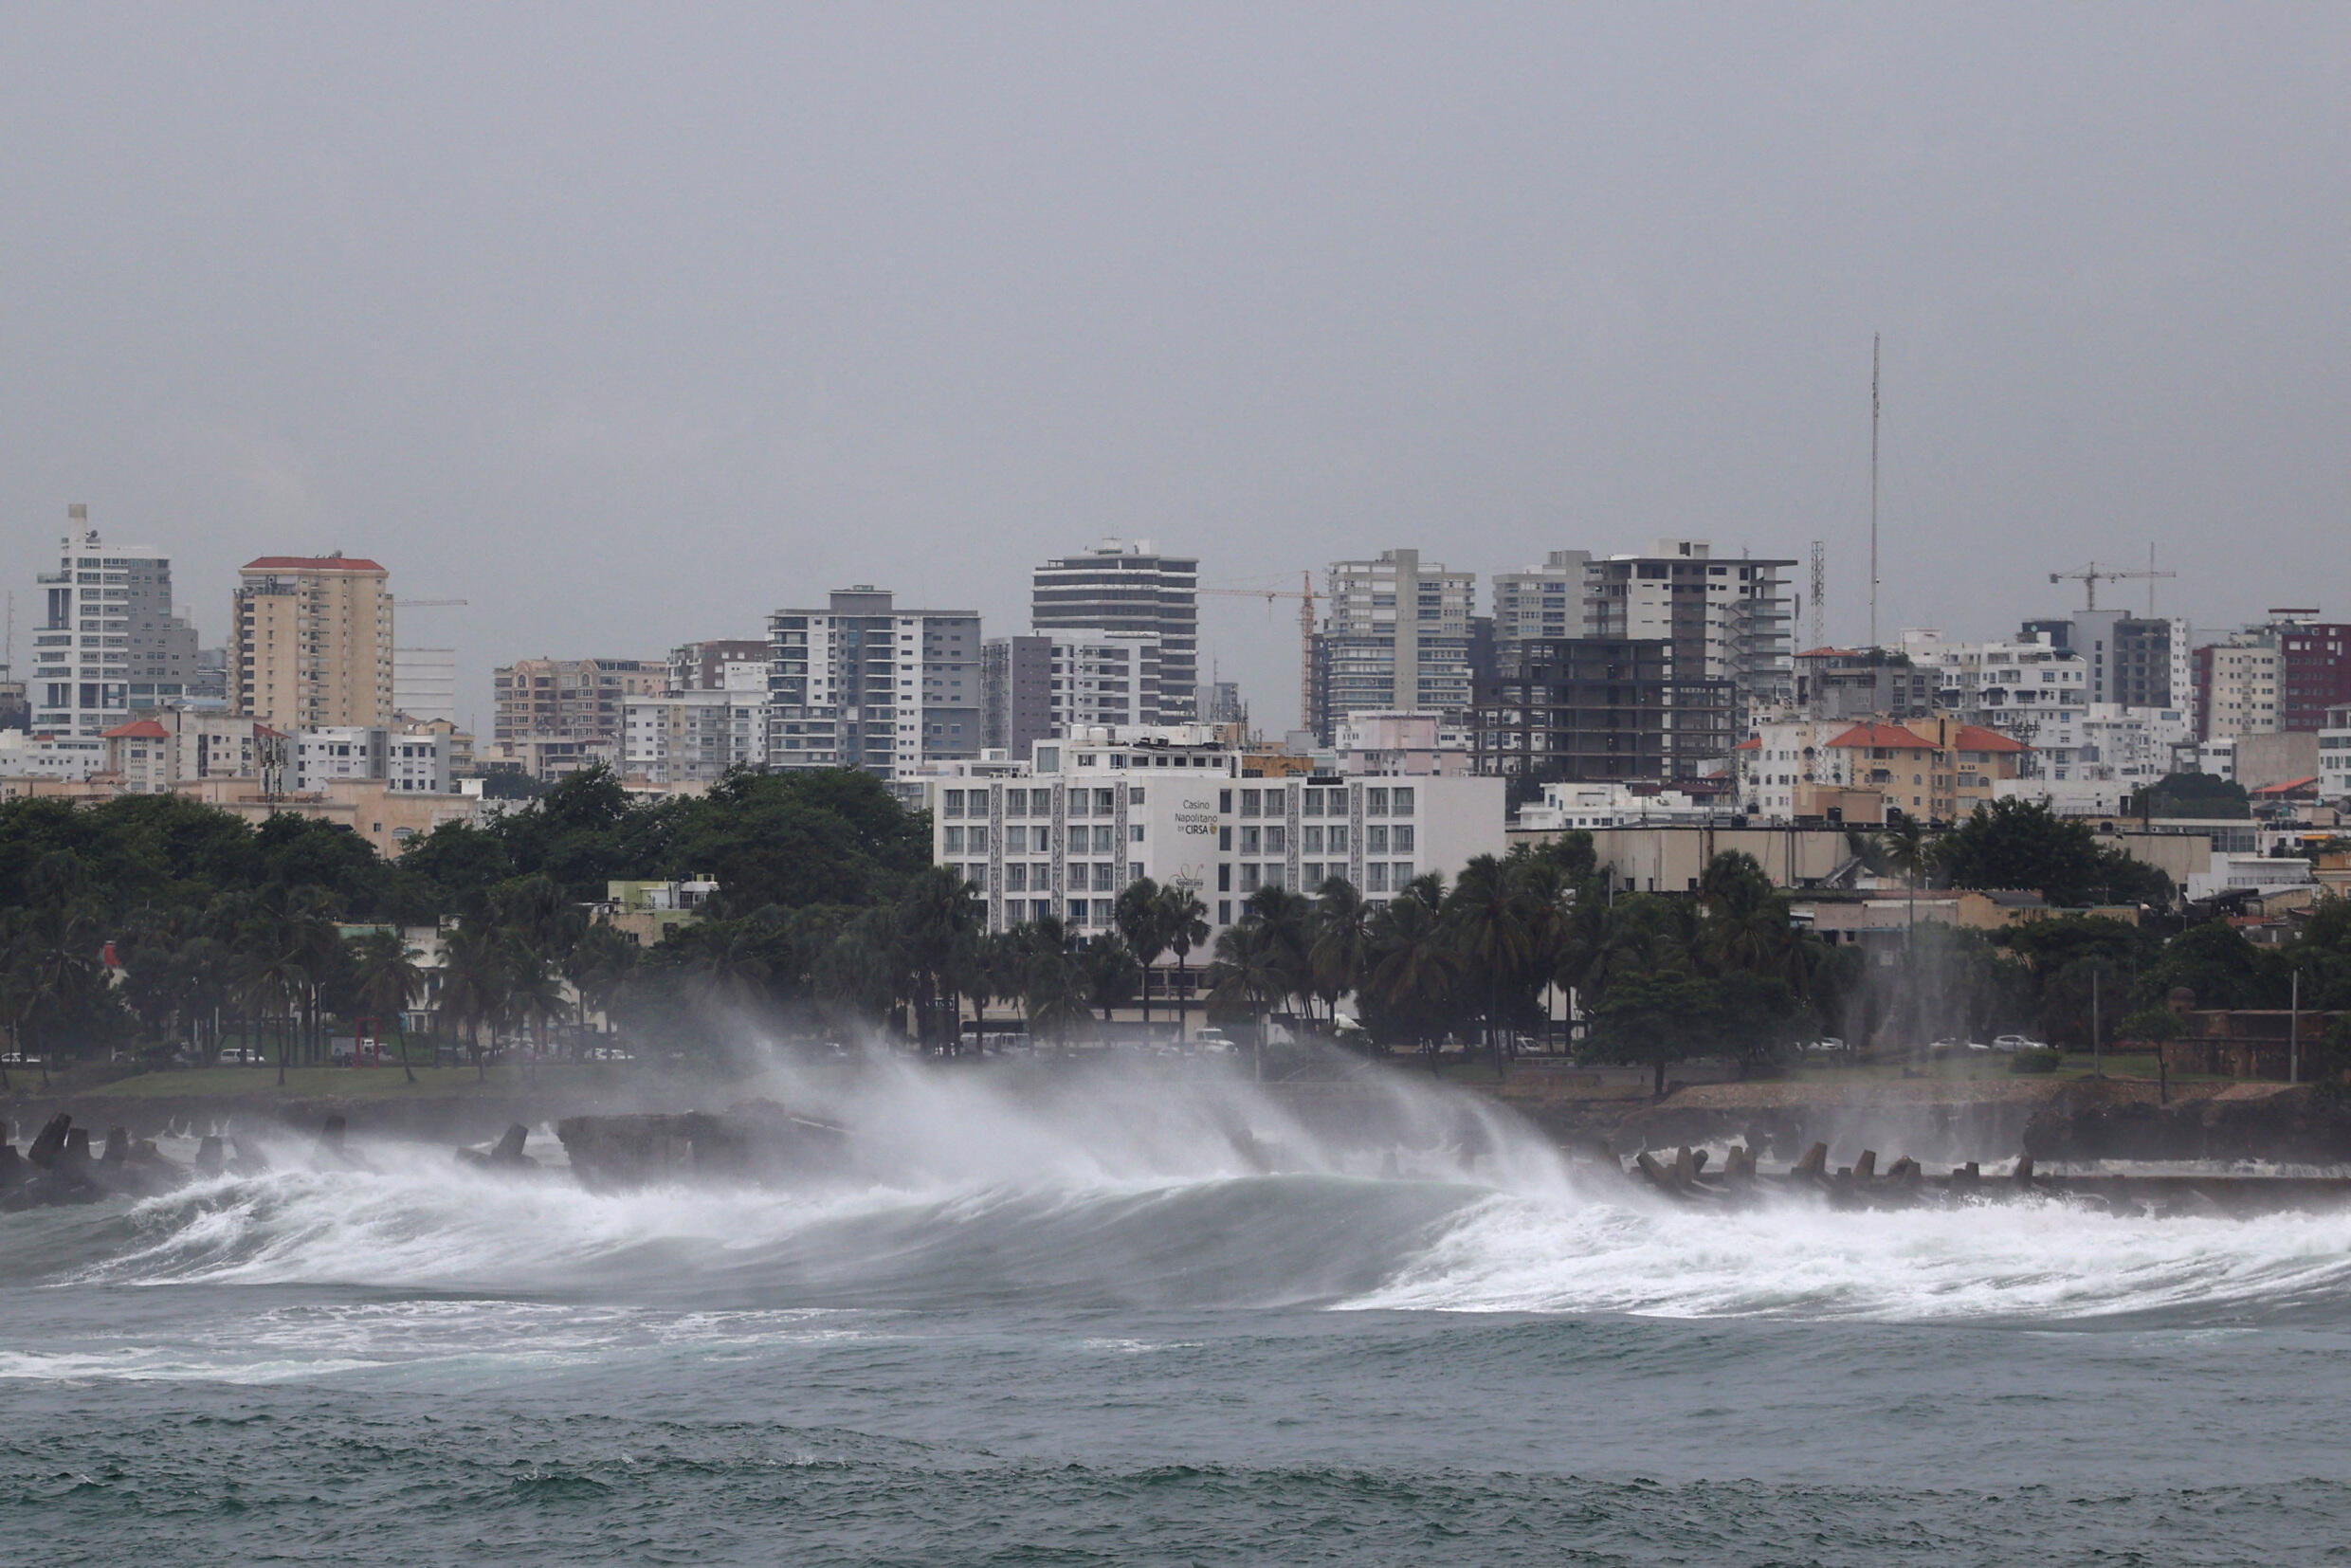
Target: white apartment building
<point x="2017" y="688"/>
<point x="1409" y="745"/>
<point x="2239" y="687"/>
<point x="2335" y="757"/>
<point x="1543" y="601"/>
<point x="39" y="755"/>
<point x="1134" y="589"/>
<point x="1062" y="834"/>
<point x="862" y="683"/>
<point x="340" y="751"/>
<point x="1782" y="758"/>
<point x="1566" y="807"/>
<point x="1051" y="684"/>
<point x="1396" y="636"/>
<point x="2106" y="741"/>
<point x="403" y="761"/>
<point x="693" y="736"/>
<point x="110" y="643"/>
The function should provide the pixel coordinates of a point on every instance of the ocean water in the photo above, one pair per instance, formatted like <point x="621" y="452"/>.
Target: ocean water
<point x="1092" y="1329"/>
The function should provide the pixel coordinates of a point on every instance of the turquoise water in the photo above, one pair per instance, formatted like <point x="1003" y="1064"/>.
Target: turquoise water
<point x="1055" y="1335"/>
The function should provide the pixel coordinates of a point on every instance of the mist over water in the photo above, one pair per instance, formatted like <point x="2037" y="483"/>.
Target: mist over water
<point x="1083" y="1317"/>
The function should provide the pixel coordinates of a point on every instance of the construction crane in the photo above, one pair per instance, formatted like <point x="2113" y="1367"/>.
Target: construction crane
<point x="426" y="604"/>
<point x="1303" y="593"/>
<point x="2092" y="576"/>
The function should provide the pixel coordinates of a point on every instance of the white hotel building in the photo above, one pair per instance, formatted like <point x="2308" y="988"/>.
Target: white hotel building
<point x="1064" y="832"/>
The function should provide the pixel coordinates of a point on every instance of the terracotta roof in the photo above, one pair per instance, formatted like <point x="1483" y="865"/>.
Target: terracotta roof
<point x="311" y="563"/>
<point x="1892" y="736"/>
<point x="1753" y="743"/>
<point x="2288" y="787"/>
<point x="137" y="729"/>
<point x="1975" y="737"/>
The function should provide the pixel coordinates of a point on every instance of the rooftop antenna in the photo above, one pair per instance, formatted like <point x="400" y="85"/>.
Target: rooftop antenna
<point x="1874" y="489"/>
<point x="1820" y="592"/>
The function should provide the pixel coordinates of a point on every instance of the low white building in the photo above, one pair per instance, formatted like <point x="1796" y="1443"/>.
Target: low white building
<point x="2072" y="797"/>
<point x="2259" y="873"/>
<point x="340" y="750"/>
<point x="1566" y="807"/>
<point x="2107" y="742"/>
<point x="1401" y="743"/>
<point x="2022" y="689"/>
<point x="1062" y="834"/>
<point x="43" y="755"/>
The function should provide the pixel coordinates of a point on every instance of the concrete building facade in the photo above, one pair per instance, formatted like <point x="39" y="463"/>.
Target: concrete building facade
<point x="1135" y="589"/>
<point x="1396" y="635"/>
<point x="1727" y="619"/>
<point x="693" y="736"/>
<point x="862" y="683"/>
<point x="110" y="642"/>
<point x="1064" y="831"/>
<point x="570" y="699"/>
<point x="1592" y="709"/>
<point x="312" y="641"/>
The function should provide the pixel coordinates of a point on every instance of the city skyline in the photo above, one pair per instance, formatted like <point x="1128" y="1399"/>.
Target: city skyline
<point x="1488" y="287"/>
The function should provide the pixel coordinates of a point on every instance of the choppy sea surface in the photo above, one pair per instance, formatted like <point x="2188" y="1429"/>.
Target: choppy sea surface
<point x="1077" y="1333"/>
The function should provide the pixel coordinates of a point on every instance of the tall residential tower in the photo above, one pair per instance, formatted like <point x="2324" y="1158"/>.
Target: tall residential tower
<point x="1131" y="588"/>
<point x="311" y="643"/>
<point x="110" y="643"/>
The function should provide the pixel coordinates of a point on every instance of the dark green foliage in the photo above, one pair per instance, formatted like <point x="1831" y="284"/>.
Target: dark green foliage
<point x="2022" y="845"/>
<point x="2200" y="796"/>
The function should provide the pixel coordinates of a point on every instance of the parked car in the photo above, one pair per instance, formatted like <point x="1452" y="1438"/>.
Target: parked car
<point x="240" y="1056"/>
<point x="2017" y="1042"/>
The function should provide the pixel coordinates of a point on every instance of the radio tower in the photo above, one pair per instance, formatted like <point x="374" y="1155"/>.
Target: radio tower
<point x="1874" y="489"/>
<point x="1820" y="591"/>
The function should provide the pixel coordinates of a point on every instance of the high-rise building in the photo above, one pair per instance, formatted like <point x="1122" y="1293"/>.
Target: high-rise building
<point x="1846" y="682"/>
<point x="110" y="643"/>
<point x="1219" y="702"/>
<point x="570" y="699"/>
<point x="862" y="683"/>
<point x="1397" y="638"/>
<point x="1729" y="619"/>
<point x="1543" y="601"/>
<point x="312" y="641"/>
<point x="727" y="664"/>
<point x="693" y="736"/>
<point x="1131" y="587"/>
<point x="2129" y="661"/>
<point x="1592" y="710"/>
<point x="2314" y="671"/>
<point x="424" y="682"/>
<point x="2237" y="686"/>
<point x="1049" y="683"/>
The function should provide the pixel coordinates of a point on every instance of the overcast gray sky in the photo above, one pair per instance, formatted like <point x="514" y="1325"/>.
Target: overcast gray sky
<point x="629" y="324"/>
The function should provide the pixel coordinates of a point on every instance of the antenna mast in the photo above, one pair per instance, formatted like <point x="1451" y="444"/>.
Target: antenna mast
<point x="1874" y="489"/>
<point x="1820" y="592"/>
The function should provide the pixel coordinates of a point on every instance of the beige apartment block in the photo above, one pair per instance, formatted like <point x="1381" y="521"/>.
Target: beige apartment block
<point x="312" y="641"/>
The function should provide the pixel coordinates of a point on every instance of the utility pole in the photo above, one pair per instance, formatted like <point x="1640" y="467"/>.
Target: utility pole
<point x="2097" y="1061"/>
<point x="2294" y="1034"/>
<point x="1874" y="489"/>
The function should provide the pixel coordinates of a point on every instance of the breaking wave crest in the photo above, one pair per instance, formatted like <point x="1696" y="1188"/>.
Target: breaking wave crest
<point x="1184" y="1196"/>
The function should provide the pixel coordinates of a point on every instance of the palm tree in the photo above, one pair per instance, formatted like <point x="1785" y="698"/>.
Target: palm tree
<point x="387" y="980"/>
<point x="1289" y="920"/>
<point x="1342" y="943"/>
<point x="1412" y="969"/>
<point x="934" y="917"/>
<point x="1186" y="927"/>
<point x="534" y="992"/>
<point x="598" y="966"/>
<point x="1142" y="916"/>
<point x="1487" y="919"/>
<point x="1253" y="971"/>
<point x="1053" y="991"/>
<point x="273" y="984"/>
<point x="473" y="984"/>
